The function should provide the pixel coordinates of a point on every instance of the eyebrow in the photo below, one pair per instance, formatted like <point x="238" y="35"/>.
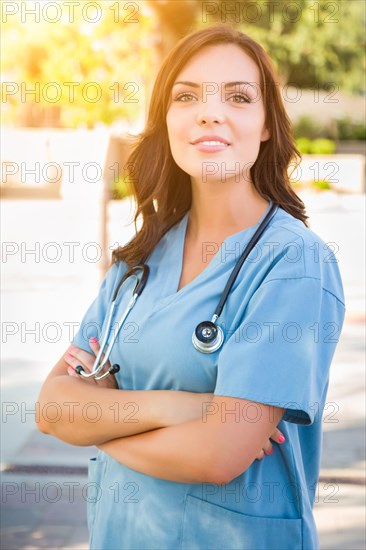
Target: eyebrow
<point x="195" y="85"/>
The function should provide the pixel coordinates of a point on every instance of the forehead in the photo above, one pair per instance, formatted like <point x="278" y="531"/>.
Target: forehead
<point x="220" y="63"/>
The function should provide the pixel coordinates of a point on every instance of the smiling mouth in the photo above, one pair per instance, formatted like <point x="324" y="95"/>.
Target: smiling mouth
<point x="212" y="143"/>
<point x="210" y="146"/>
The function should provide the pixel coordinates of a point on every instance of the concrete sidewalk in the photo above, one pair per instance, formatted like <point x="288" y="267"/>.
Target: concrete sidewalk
<point x="45" y="492"/>
<point x="44" y="483"/>
<point x="45" y="486"/>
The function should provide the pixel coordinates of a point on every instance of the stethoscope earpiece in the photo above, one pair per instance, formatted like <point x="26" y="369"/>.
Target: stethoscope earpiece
<point x="106" y="346"/>
<point x="114" y="369"/>
<point x="207" y="337"/>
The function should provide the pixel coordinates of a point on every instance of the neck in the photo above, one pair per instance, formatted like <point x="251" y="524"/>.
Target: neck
<point x="218" y="211"/>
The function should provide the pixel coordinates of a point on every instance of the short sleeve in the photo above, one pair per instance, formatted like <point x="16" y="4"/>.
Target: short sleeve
<point x="92" y="321"/>
<point x="281" y="352"/>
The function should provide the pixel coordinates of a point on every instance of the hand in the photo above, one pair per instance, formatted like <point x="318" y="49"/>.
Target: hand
<point x="278" y="437"/>
<point x="77" y="356"/>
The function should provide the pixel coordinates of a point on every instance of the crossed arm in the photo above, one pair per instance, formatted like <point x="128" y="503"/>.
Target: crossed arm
<point x="174" y="435"/>
<point x="215" y="451"/>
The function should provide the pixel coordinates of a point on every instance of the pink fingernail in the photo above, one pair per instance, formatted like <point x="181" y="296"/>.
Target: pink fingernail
<point x="94" y="340"/>
<point x="69" y="355"/>
<point x="281" y="439"/>
<point x="270" y="452"/>
<point x="70" y="371"/>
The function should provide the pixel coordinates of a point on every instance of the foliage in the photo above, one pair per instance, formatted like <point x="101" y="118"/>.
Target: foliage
<point x="312" y="44"/>
<point x="322" y="146"/>
<point x="321" y="185"/>
<point x="303" y="145"/>
<point x="119" y="188"/>
<point x="350" y="129"/>
<point x="307" y="127"/>
<point x="319" y="146"/>
<point x="95" y="57"/>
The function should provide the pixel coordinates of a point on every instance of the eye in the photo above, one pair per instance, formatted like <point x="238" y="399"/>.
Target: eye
<point x="184" y="97"/>
<point x="239" y="98"/>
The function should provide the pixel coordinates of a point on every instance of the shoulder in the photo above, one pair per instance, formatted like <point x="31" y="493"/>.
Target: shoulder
<point x="113" y="276"/>
<point x="294" y="251"/>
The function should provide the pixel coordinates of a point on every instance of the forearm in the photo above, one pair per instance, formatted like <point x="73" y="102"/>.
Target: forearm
<point x="83" y="414"/>
<point x="182" y="453"/>
<point x="215" y="448"/>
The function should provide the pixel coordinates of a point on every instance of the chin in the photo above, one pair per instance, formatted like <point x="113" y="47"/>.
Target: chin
<point x="213" y="179"/>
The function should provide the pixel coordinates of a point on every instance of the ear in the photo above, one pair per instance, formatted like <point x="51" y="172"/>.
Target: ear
<point x="265" y="135"/>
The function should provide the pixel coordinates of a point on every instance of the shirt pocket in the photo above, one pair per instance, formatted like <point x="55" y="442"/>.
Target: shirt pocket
<point x="96" y="470"/>
<point x="206" y="525"/>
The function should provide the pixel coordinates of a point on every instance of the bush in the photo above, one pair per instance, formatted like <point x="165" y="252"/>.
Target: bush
<point x="119" y="188"/>
<point x="320" y="146"/>
<point x="303" y="144"/>
<point x="322" y="185"/>
<point x="307" y="127"/>
<point x="344" y="128"/>
<point x="349" y="129"/>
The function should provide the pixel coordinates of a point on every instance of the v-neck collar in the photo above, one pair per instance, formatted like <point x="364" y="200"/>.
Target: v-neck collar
<point x="178" y="252"/>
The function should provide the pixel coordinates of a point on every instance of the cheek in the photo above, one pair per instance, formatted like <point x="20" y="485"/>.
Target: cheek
<point x="249" y="123"/>
<point x="177" y="131"/>
<point x="257" y="122"/>
<point x="175" y="121"/>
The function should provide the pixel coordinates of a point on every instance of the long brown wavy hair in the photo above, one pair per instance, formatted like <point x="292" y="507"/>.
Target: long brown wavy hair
<point x="162" y="190"/>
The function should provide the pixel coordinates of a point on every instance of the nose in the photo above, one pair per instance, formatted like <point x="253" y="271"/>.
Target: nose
<point x="209" y="119"/>
<point x="210" y="113"/>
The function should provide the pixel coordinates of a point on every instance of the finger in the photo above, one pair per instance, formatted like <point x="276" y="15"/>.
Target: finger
<point x="260" y="455"/>
<point x="83" y="358"/>
<point x="268" y="448"/>
<point x="71" y="372"/>
<point x="94" y="345"/>
<point x="278" y="436"/>
<point x="73" y="362"/>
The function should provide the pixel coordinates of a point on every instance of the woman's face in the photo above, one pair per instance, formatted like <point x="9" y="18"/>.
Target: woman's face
<point x="215" y="118"/>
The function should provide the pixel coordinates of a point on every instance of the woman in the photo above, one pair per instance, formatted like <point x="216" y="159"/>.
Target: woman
<point x="178" y="442"/>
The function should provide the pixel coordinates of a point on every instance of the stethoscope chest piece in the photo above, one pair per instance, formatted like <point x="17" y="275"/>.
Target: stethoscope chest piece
<point x="207" y="337"/>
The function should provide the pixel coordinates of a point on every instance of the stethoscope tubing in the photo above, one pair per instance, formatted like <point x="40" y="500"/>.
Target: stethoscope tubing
<point x="235" y="272"/>
<point x="199" y="344"/>
<point x="100" y="363"/>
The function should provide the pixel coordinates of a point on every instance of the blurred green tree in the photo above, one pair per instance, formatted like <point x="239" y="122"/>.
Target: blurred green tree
<point x="316" y="44"/>
<point x="80" y="72"/>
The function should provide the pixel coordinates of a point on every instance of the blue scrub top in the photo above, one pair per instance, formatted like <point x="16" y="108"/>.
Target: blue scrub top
<point x="282" y="322"/>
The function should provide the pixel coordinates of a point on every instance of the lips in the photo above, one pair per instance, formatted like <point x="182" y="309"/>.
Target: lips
<point x="211" y="140"/>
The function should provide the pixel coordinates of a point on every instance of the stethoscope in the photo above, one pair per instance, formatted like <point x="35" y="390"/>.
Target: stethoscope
<point x="206" y="338"/>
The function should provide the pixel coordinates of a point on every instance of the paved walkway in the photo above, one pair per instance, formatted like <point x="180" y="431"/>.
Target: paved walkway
<point x="44" y="486"/>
